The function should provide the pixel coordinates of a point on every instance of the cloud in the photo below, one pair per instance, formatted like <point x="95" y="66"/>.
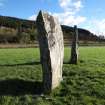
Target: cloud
<point x="68" y="19"/>
<point x="78" y="5"/>
<point x="69" y="14"/>
<point x="69" y="5"/>
<point x="98" y="26"/>
<point x="33" y="17"/>
<point x="65" y="4"/>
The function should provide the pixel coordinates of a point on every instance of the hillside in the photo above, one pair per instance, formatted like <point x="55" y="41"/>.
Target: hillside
<point x="15" y="30"/>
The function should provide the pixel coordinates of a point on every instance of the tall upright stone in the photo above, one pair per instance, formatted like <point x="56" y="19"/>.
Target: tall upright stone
<point x="74" y="48"/>
<point x="51" y="50"/>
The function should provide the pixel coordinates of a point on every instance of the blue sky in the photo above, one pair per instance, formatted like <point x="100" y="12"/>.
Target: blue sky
<point x="88" y="14"/>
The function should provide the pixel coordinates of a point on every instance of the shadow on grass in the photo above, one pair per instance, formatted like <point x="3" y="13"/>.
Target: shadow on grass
<point x="22" y="64"/>
<point x="66" y="62"/>
<point x="30" y="63"/>
<point x="17" y="87"/>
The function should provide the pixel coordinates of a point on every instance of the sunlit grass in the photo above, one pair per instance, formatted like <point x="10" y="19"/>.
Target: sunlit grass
<point x="83" y="84"/>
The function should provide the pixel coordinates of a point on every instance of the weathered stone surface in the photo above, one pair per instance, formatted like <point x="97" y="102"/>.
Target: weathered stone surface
<point x="74" y="49"/>
<point x="51" y="50"/>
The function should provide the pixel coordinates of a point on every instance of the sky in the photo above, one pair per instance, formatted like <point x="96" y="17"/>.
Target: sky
<point x="87" y="14"/>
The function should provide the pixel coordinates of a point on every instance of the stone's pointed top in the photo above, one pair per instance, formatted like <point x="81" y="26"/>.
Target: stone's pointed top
<point x="41" y="16"/>
<point x="42" y="12"/>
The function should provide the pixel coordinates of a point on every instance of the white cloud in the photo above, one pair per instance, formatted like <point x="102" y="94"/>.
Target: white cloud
<point x="78" y="5"/>
<point x="65" y="4"/>
<point x="69" y="19"/>
<point x="70" y="9"/>
<point x="98" y="26"/>
<point x="69" y="5"/>
<point x="33" y="17"/>
<point x="72" y="20"/>
<point x="69" y="14"/>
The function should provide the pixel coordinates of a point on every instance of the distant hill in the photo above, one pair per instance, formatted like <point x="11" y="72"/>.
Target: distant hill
<point x="15" y="30"/>
<point x="83" y="33"/>
<point x="13" y="22"/>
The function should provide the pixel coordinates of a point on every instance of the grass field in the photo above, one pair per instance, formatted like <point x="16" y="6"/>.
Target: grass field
<point x="21" y="76"/>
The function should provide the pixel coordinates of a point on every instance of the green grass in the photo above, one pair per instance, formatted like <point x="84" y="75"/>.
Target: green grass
<point x="83" y="84"/>
<point x="18" y="56"/>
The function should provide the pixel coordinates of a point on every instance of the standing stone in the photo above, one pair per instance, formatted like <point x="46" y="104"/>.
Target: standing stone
<point x="51" y="50"/>
<point x="74" y="49"/>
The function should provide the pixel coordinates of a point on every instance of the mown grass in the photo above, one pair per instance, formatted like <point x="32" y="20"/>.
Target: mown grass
<point x="83" y="84"/>
<point x="18" y="56"/>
